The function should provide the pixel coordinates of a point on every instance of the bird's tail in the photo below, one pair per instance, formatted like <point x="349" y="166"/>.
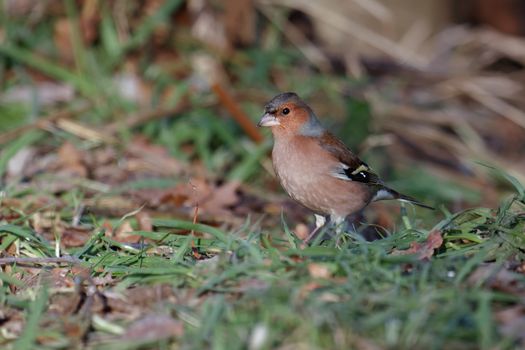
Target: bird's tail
<point x="388" y="193"/>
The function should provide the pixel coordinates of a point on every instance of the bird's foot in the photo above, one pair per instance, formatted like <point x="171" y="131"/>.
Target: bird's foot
<point x="320" y="221"/>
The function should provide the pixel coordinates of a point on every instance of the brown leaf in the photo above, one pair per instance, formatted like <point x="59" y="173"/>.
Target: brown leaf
<point x="330" y="297"/>
<point x="62" y="38"/>
<point x="221" y="199"/>
<point x="145" y="296"/>
<point x="512" y="322"/>
<point x="124" y="233"/>
<point x="89" y="20"/>
<point x="239" y="21"/>
<point x="108" y="228"/>
<point x="251" y="284"/>
<point x="317" y="270"/>
<point x="103" y="281"/>
<point x="213" y="201"/>
<point x="187" y="194"/>
<point x="423" y="250"/>
<point x="144" y="221"/>
<point x="60" y="278"/>
<point x="74" y="236"/>
<point x="521" y="268"/>
<point x="308" y="288"/>
<point x="111" y="205"/>
<point x="301" y="231"/>
<point x="13" y="322"/>
<point x="71" y="160"/>
<point x="147" y="157"/>
<point x="24" y="9"/>
<point x="153" y="327"/>
<point x="50" y="225"/>
<point x="47" y="223"/>
<point x="498" y="278"/>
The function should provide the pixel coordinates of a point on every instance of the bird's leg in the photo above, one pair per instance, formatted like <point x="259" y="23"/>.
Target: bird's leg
<point x="338" y="221"/>
<point x="320" y="221"/>
<point x="339" y="225"/>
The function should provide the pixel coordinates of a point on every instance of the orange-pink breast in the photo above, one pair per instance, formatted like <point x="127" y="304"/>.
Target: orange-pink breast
<point x="304" y="170"/>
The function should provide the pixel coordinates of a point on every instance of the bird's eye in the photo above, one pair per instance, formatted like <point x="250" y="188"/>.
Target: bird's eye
<point x="286" y="111"/>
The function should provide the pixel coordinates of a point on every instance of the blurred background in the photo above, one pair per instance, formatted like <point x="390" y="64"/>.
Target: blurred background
<point x="115" y="104"/>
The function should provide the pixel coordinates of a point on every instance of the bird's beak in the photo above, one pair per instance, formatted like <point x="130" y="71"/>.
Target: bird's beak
<point x="268" y="120"/>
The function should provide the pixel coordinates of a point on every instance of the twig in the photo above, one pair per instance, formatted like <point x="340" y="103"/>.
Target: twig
<point x="237" y="113"/>
<point x="61" y="260"/>
<point x="84" y="132"/>
<point x="194" y="248"/>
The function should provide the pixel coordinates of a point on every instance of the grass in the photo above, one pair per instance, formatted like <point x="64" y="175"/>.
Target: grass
<point x="259" y="287"/>
<point x="249" y="285"/>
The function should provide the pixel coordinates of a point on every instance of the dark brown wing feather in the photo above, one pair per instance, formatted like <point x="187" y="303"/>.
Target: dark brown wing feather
<point x="357" y="169"/>
<point x="360" y="171"/>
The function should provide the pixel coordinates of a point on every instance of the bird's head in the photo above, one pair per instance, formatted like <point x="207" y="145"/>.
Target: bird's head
<point x="287" y="114"/>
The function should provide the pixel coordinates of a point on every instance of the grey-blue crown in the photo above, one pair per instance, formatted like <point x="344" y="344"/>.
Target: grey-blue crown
<point x="278" y="100"/>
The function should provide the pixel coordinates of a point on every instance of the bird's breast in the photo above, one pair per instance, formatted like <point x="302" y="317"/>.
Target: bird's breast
<point x="301" y="172"/>
<point x="296" y="166"/>
<point x="304" y="171"/>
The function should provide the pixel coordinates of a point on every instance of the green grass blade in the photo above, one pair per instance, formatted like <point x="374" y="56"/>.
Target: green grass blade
<point x="29" y="58"/>
<point x="30" y="332"/>
<point x="188" y="225"/>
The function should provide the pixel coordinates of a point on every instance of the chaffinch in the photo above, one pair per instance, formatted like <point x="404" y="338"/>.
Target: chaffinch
<point x="316" y="168"/>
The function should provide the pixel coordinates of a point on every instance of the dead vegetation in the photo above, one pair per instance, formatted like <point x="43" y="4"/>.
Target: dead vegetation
<point x="138" y="207"/>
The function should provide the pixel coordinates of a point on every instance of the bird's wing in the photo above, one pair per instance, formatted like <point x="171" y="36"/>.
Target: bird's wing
<point x="350" y="167"/>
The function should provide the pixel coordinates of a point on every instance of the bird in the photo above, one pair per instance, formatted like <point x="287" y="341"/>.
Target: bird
<point x="316" y="168"/>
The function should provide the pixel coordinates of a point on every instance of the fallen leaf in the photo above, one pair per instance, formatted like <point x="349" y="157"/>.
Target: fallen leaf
<point x="124" y="233"/>
<point x="512" y="322"/>
<point x="13" y="323"/>
<point x="308" y="288"/>
<point x="252" y="284"/>
<point x="62" y="38"/>
<point x="221" y="199"/>
<point x="213" y="201"/>
<point x="108" y="228"/>
<point x="144" y="221"/>
<point x="424" y="250"/>
<point x="89" y="20"/>
<point x="74" y="236"/>
<point x="239" y="21"/>
<point x="60" y="278"/>
<point x="329" y="297"/>
<point x="71" y="160"/>
<point x="153" y="327"/>
<point x="317" y="270"/>
<point x="521" y="268"/>
<point x="153" y="159"/>
<point x="301" y="231"/>
<point x="498" y="278"/>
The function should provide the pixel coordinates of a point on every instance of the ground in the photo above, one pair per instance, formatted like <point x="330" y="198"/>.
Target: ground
<point x="139" y="208"/>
